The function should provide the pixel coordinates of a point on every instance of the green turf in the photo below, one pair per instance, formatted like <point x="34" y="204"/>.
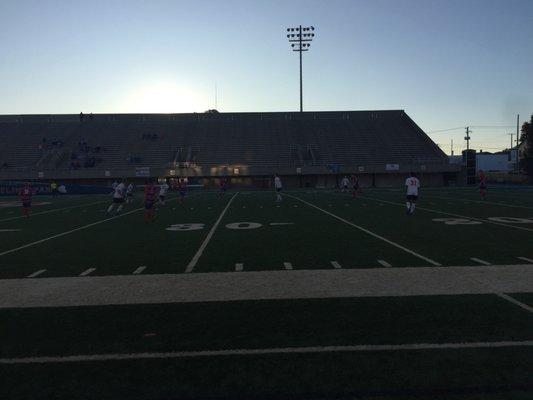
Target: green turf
<point x="457" y="374"/>
<point x="261" y="324"/>
<point x="313" y="240"/>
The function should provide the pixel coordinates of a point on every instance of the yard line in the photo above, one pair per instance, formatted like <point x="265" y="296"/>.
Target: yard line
<point x="88" y="271"/>
<point x="514" y="301"/>
<point x="336" y="264"/>
<point x="453" y="215"/>
<point x="384" y="263"/>
<point x="274" y="350"/>
<point x="429" y="260"/>
<point x="239" y="267"/>
<point x="139" y="270"/>
<point x="479" y="201"/>
<point x="36" y="273"/>
<point x="68" y="232"/>
<point x="287" y="265"/>
<point x="54" y="210"/>
<point x="480" y="261"/>
<point x="200" y="251"/>
<point x="525" y="259"/>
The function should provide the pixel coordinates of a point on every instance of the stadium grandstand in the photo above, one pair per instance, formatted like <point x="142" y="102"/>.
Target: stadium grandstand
<point x="310" y="149"/>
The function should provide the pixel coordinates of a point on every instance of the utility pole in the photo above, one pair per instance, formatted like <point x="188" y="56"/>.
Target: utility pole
<point x="300" y="42"/>
<point x="467" y="137"/>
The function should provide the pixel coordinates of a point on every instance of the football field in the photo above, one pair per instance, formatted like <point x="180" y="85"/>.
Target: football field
<point x="320" y="296"/>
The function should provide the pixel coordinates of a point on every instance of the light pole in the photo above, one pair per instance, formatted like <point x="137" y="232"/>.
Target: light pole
<point x="299" y="38"/>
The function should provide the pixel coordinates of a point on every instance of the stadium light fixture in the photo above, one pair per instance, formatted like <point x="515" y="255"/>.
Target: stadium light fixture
<point x="300" y="43"/>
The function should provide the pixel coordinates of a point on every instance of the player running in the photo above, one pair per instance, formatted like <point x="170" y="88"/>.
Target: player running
<point x="163" y="189"/>
<point x="223" y="186"/>
<point x="26" y="194"/>
<point x="355" y="185"/>
<point x="278" y="186"/>
<point x="118" y="198"/>
<point x="149" y="201"/>
<point x="129" y="193"/>
<point x="182" y="188"/>
<point x="345" y="183"/>
<point x="413" y="184"/>
<point x="482" y="184"/>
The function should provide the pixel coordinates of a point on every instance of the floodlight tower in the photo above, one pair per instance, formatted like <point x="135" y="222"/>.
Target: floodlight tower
<point x="299" y="38"/>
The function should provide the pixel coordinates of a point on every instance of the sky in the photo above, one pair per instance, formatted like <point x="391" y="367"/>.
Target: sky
<point x="447" y="63"/>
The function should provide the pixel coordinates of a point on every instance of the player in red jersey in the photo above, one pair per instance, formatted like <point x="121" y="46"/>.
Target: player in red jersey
<point x="149" y="201"/>
<point x="25" y="197"/>
<point x="182" y="188"/>
<point x="355" y="185"/>
<point x="482" y="184"/>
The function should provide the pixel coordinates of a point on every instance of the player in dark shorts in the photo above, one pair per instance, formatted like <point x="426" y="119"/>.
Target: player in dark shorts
<point x="355" y="185"/>
<point x="223" y="186"/>
<point x="25" y="197"/>
<point x="149" y="201"/>
<point x="182" y="188"/>
<point x="482" y="184"/>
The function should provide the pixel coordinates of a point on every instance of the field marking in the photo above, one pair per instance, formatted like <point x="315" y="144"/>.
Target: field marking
<point x="336" y="264"/>
<point x="287" y="265"/>
<point x="274" y="350"/>
<point x="239" y="267"/>
<point x="54" y="210"/>
<point x="281" y="223"/>
<point x="429" y="260"/>
<point x="204" y="244"/>
<point x="479" y="261"/>
<point x="36" y="273"/>
<point x="139" y="270"/>
<point x="514" y="301"/>
<point x="453" y="215"/>
<point x="88" y="271"/>
<point x="384" y="263"/>
<point x="10" y="230"/>
<point x="68" y="232"/>
<point x="479" y="201"/>
<point x="525" y="259"/>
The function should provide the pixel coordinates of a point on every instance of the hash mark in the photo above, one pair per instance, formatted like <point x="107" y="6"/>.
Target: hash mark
<point x="287" y="265"/>
<point x="480" y="261"/>
<point x="87" y="271"/>
<point x="384" y="263"/>
<point x="36" y="273"/>
<point x="139" y="270"/>
<point x="335" y="264"/>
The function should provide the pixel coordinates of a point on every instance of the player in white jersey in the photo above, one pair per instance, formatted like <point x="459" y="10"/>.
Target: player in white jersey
<point x="129" y="193"/>
<point x="345" y="182"/>
<point x="163" y="189"/>
<point x="278" y="186"/>
<point x="118" y="198"/>
<point x="413" y="184"/>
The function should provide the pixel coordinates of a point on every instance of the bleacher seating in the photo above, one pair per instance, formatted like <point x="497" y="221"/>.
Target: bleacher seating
<point x="266" y="140"/>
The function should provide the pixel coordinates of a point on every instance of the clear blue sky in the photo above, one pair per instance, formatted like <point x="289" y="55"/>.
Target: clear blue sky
<point x="448" y="63"/>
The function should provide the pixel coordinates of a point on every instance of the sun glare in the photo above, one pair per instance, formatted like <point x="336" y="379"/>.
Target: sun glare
<point x="166" y="98"/>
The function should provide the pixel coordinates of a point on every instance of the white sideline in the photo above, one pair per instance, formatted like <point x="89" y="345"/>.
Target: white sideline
<point x="265" y="285"/>
<point x="54" y="210"/>
<point x="204" y="244"/>
<point x="429" y="260"/>
<point x="254" y="352"/>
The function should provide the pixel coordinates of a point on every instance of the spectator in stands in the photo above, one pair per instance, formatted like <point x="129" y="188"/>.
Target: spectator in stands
<point x="81" y="116"/>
